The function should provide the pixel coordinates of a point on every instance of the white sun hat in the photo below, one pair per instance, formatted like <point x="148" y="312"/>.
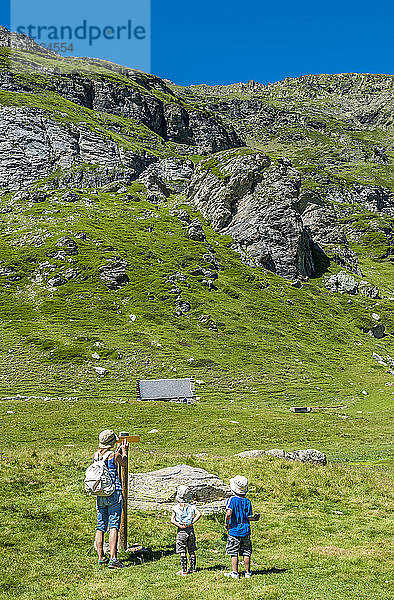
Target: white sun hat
<point x="239" y="484"/>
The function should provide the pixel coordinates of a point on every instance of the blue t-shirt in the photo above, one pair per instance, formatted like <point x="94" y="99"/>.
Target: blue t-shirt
<point x="241" y="508"/>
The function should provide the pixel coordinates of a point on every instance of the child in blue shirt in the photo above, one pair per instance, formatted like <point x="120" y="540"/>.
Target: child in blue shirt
<point x="239" y="513"/>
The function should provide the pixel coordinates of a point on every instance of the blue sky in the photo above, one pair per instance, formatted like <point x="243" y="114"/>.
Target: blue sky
<point x="216" y="41"/>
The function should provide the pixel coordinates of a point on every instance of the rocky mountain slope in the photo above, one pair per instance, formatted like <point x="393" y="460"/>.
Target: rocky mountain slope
<point x="154" y="225"/>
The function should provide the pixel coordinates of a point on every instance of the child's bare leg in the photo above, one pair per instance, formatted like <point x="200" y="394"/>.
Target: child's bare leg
<point x="98" y="542"/>
<point x="247" y="563"/>
<point x="234" y="563"/>
<point x="193" y="562"/>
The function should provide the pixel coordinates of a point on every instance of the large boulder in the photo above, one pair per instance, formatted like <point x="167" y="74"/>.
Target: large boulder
<point x="157" y="489"/>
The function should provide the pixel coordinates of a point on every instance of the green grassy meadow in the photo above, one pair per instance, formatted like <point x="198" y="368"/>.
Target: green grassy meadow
<point x="324" y="531"/>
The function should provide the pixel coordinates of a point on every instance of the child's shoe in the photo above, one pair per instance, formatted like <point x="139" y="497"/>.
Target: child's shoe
<point x="248" y="574"/>
<point x="182" y="572"/>
<point x="114" y="563"/>
<point x="232" y="575"/>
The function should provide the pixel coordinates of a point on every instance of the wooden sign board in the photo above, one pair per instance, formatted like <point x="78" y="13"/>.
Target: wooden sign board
<point x="132" y="439"/>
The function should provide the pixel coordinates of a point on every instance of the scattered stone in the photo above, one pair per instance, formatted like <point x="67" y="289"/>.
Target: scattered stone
<point x="196" y="232"/>
<point x="314" y="456"/>
<point x="157" y="489"/>
<point x="343" y="283"/>
<point x="181" y="214"/>
<point x="68" y="247"/>
<point x="377" y="331"/>
<point x="62" y="278"/>
<point x="375" y="317"/>
<point x="96" y="356"/>
<point x="132" y="318"/>
<point x="153" y="431"/>
<point x="38" y="197"/>
<point x="365" y="393"/>
<point x="70" y="197"/>
<point x="368" y="290"/>
<point x="56" y="281"/>
<point x="182" y="307"/>
<point x="100" y="370"/>
<point x="251" y="454"/>
<point x="380" y="360"/>
<point x="114" y="274"/>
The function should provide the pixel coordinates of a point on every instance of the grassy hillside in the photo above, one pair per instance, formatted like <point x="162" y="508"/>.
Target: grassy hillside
<point x="257" y="342"/>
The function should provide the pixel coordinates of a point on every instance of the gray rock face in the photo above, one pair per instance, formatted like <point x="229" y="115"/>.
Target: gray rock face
<point x="32" y="146"/>
<point x="114" y="274"/>
<point x="314" y="456"/>
<point x="327" y="233"/>
<point x="256" y="203"/>
<point x="157" y="489"/>
<point x="170" y="174"/>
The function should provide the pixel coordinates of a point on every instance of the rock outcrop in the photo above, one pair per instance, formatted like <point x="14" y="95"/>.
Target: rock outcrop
<point x="33" y="147"/>
<point x="255" y="201"/>
<point x="313" y="456"/>
<point x="114" y="274"/>
<point x="156" y="490"/>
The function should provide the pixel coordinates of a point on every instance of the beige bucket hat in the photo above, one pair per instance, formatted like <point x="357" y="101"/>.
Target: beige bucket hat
<point x="107" y="439"/>
<point x="239" y="484"/>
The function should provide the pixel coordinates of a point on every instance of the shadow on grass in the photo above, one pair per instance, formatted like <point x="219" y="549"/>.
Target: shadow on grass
<point x="254" y="571"/>
<point x="267" y="571"/>
<point x="146" y="555"/>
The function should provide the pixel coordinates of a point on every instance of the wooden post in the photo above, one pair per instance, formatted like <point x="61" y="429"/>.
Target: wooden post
<point x="124" y="479"/>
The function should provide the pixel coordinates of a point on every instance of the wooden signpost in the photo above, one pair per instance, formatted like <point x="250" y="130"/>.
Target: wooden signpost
<point x="124" y="478"/>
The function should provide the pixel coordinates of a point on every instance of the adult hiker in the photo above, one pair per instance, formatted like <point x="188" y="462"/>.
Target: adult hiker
<point x="109" y="508"/>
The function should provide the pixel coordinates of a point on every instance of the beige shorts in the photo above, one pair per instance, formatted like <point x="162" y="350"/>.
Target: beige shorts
<point x="185" y="541"/>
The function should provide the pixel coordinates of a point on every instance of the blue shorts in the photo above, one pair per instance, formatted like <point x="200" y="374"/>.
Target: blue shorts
<point x="109" y="512"/>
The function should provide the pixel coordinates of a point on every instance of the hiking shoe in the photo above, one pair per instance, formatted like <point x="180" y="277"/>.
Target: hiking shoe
<point x="103" y="561"/>
<point x="182" y="572"/>
<point x="248" y="574"/>
<point x="114" y="563"/>
<point x="232" y="575"/>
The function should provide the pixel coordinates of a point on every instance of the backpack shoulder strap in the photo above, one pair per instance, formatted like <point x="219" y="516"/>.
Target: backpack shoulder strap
<point x="96" y="455"/>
